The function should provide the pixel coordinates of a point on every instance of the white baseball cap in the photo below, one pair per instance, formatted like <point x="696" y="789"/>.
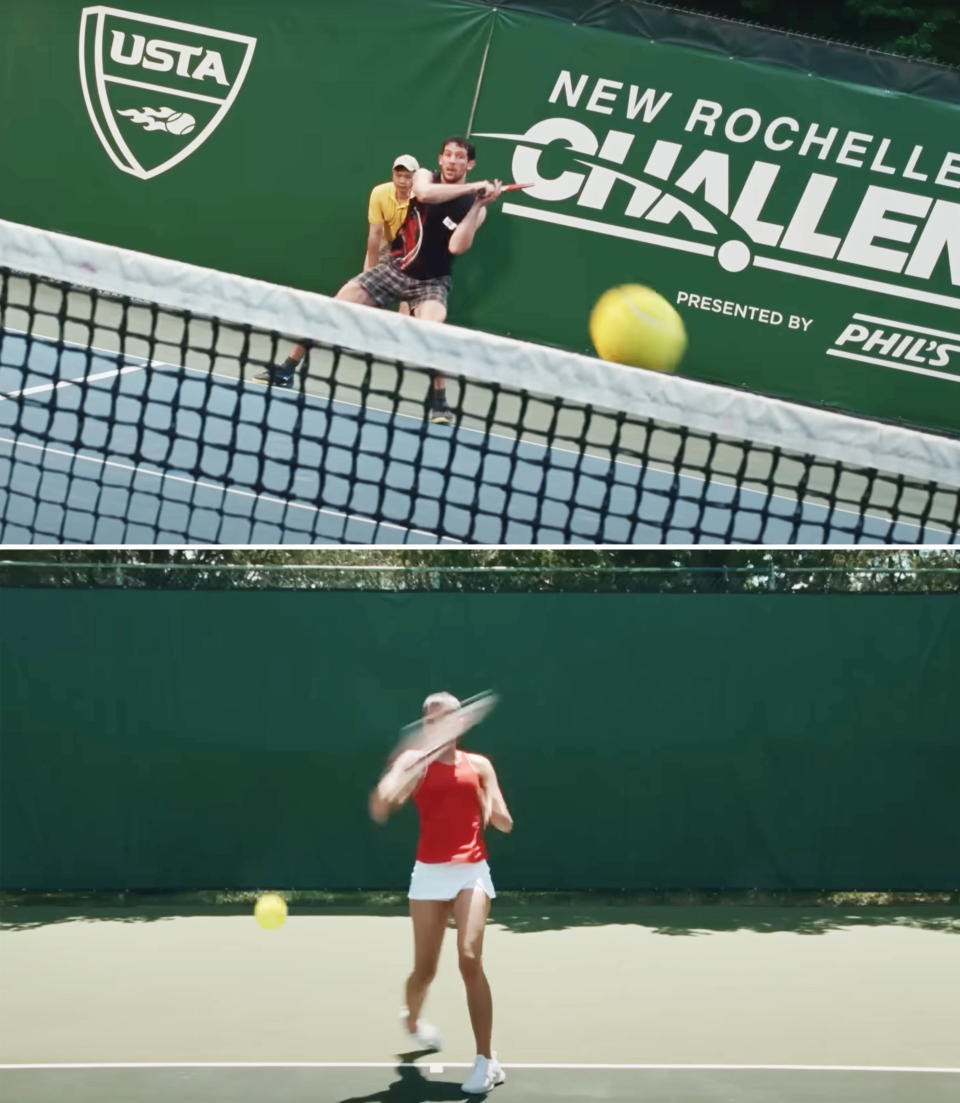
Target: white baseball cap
<point x="405" y="161"/>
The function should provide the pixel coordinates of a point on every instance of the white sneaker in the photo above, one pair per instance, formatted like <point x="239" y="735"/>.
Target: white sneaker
<point x="426" y="1036"/>
<point x="484" y="1076"/>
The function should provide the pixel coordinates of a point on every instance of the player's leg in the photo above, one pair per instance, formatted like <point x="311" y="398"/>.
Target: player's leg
<point x="433" y="308"/>
<point x="281" y="375"/>
<point x="353" y="291"/>
<point x="470" y="910"/>
<point x="356" y="290"/>
<point x="291" y="363"/>
<point x="429" y="923"/>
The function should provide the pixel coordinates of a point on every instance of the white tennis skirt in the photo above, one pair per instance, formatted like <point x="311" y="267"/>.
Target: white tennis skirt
<point x="444" y="880"/>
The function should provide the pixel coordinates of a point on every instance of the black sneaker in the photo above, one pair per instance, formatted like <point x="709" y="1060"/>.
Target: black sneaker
<point x="275" y="377"/>
<point x="440" y="412"/>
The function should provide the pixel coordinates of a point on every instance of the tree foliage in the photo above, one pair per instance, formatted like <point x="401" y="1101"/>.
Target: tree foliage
<point x="498" y="570"/>
<point x="928" y="29"/>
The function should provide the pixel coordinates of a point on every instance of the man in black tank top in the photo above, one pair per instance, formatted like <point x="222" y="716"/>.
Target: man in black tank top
<point x="445" y="213"/>
<point x="422" y="247"/>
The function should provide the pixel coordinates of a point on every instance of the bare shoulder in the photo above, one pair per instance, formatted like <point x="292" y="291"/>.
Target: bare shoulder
<point x="480" y="762"/>
<point x="422" y="177"/>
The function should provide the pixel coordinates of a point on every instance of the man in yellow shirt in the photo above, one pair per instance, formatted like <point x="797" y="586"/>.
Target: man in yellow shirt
<point x="388" y="207"/>
<point x="386" y="213"/>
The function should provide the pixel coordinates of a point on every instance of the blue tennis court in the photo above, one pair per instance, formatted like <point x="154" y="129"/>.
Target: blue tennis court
<point x="94" y="451"/>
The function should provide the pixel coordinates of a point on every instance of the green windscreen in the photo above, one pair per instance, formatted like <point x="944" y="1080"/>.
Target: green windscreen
<point x="200" y="740"/>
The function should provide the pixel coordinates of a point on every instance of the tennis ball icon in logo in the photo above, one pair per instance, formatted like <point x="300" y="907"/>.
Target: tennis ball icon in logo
<point x="181" y="123"/>
<point x="270" y="911"/>
<point x="163" y="118"/>
<point x="633" y="325"/>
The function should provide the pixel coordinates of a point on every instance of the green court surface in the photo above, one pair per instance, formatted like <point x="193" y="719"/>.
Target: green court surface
<point x="667" y="1004"/>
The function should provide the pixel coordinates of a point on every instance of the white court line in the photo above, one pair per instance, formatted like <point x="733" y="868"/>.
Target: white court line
<point x="291" y="394"/>
<point x="40" y="388"/>
<point x="320" y="399"/>
<point x="211" y="486"/>
<point x="466" y="1065"/>
<point x="662" y="466"/>
<point x="749" y="1068"/>
<point x="653" y="465"/>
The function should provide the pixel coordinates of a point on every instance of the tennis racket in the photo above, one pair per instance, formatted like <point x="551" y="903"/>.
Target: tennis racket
<point x="513" y="187"/>
<point x="431" y="737"/>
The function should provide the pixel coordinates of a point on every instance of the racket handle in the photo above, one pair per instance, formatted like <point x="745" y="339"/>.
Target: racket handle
<point x="508" y="187"/>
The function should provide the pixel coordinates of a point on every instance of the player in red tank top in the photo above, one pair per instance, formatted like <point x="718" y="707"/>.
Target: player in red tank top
<point x="451" y="818"/>
<point x="457" y="796"/>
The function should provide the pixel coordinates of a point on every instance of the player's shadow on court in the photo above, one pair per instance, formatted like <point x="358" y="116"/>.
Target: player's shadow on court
<point x="411" y="1087"/>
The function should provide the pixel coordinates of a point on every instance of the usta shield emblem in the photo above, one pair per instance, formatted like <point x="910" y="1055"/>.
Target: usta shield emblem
<point x="156" y="89"/>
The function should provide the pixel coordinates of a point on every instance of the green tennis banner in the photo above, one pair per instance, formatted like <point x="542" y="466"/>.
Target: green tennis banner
<point x="806" y="226"/>
<point x="807" y="230"/>
<point x="235" y="134"/>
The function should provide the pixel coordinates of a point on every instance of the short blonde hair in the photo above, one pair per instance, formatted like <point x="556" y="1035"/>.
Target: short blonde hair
<point x="443" y="700"/>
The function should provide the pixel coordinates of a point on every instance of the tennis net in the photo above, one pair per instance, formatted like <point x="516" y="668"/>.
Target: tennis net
<point x="130" y="413"/>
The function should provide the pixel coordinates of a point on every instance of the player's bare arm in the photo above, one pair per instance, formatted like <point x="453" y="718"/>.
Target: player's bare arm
<point x="374" y="240"/>
<point x="395" y="787"/>
<point x="426" y="191"/>
<point x="495" y="810"/>
<point x="462" y="237"/>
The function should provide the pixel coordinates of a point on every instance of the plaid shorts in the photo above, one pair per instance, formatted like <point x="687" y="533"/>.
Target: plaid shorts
<point x="386" y="284"/>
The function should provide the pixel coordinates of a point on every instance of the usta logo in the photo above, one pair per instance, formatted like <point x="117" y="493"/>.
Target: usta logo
<point x="162" y="55"/>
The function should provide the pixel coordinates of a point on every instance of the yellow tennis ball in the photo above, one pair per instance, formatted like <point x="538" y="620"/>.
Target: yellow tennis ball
<point x="270" y="911"/>
<point x="634" y="325"/>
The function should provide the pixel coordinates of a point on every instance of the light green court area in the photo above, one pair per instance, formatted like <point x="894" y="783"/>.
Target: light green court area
<point x="573" y="985"/>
